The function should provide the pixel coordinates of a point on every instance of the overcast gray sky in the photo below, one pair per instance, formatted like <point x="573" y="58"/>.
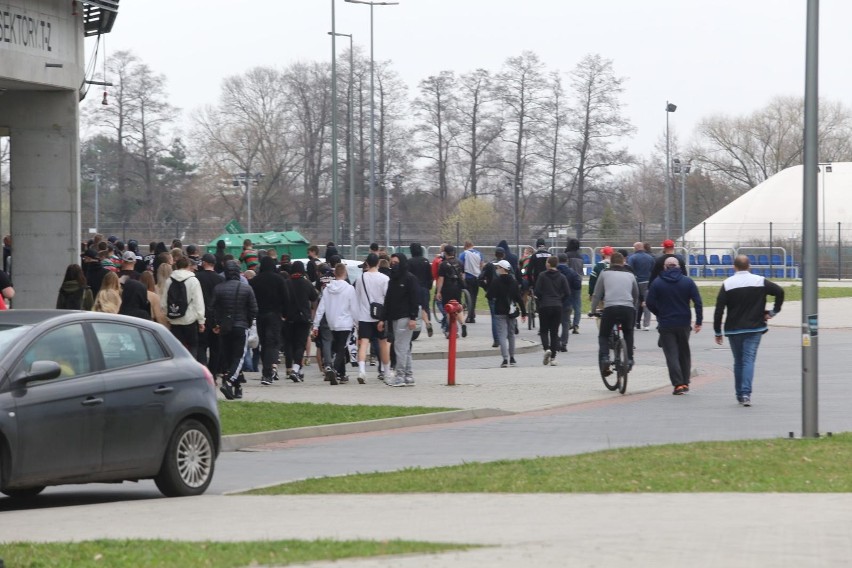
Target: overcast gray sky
<point x="719" y="56"/>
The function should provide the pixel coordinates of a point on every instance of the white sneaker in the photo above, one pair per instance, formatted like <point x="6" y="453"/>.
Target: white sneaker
<point x="362" y="377"/>
<point x="553" y="362"/>
<point x="409" y="381"/>
<point x="395" y="382"/>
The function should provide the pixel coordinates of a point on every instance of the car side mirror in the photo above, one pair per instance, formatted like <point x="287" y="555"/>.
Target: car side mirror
<point x="40" y="371"/>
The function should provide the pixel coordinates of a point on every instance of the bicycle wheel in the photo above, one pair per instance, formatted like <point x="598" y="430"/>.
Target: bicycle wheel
<point x="611" y="380"/>
<point x="437" y="310"/>
<point x="623" y="367"/>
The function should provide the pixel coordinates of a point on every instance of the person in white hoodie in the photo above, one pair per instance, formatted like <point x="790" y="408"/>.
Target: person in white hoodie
<point x="188" y="325"/>
<point x="339" y="306"/>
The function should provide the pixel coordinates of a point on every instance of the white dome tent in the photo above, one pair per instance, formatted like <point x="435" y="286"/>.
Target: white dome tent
<point x="774" y="209"/>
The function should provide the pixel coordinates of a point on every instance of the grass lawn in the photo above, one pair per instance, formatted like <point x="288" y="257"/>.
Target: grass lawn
<point x="755" y="466"/>
<point x="250" y="417"/>
<point x="166" y="554"/>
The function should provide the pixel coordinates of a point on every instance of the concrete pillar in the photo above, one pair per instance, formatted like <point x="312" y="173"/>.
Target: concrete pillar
<point x="44" y="196"/>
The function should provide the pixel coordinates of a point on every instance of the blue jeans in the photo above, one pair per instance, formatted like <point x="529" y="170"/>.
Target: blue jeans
<point x="744" y="347"/>
<point x="576" y="306"/>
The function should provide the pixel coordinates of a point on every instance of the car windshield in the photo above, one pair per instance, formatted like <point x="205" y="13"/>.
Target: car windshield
<point x="9" y="334"/>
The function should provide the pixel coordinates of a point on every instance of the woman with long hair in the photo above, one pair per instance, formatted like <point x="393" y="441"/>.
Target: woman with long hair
<point x="164" y="272"/>
<point x="74" y="294"/>
<point x="109" y="296"/>
<point x="154" y="299"/>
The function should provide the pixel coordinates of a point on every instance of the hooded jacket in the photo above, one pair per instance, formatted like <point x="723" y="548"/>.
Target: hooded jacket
<point x="668" y="298"/>
<point x="234" y="298"/>
<point x="420" y="267"/>
<point x="301" y="294"/>
<point x="551" y="288"/>
<point x="512" y="259"/>
<point x="134" y="300"/>
<point x="401" y="298"/>
<point x="338" y="305"/>
<point x="503" y="291"/>
<point x="195" y="298"/>
<point x="71" y="293"/>
<point x="269" y="288"/>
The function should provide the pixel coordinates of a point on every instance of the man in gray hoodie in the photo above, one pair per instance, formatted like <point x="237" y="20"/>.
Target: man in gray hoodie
<point x="618" y="288"/>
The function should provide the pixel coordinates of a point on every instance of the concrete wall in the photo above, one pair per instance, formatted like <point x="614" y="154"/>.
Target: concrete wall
<point x="41" y="70"/>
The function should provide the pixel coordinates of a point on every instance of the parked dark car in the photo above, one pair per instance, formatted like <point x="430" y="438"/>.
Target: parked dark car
<point x="89" y="397"/>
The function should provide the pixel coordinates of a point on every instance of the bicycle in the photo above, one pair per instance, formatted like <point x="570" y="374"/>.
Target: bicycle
<point x="615" y="374"/>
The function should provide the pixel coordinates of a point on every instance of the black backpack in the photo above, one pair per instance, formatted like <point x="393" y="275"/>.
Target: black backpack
<point x="177" y="302"/>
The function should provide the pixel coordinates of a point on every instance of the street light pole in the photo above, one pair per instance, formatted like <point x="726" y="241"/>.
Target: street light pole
<point x="248" y="195"/>
<point x="351" y="152"/>
<point x="372" y="118"/>
<point x="334" y="228"/>
<point x="97" y="178"/>
<point x="682" y="169"/>
<point x="670" y="107"/>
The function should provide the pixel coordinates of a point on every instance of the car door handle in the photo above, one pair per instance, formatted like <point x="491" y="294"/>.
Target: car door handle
<point x="92" y="401"/>
<point x="163" y="390"/>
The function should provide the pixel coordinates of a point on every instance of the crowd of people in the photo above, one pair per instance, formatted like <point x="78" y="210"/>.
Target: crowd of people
<point x="252" y="311"/>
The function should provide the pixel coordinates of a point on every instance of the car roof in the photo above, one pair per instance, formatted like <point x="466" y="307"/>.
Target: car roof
<point x="35" y="317"/>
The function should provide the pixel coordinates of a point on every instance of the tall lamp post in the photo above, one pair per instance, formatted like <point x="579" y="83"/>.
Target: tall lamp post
<point x="824" y="168"/>
<point x="351" y="149"/>
<point x="670" y="107"/>
<point x="372" y="118"/>
<point x="683" y="169"/>
<point x="333" y="34"/>
<point x="249" y="180"/>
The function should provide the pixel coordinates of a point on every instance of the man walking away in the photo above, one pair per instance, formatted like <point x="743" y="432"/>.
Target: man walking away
<point x="669" y="299"/>
<point x="371" y="288"/>
<point x="617" y="287"/>
<point x="668" y="251"/>
<point x="568" y="304"/>
<point x="301" y="293"/>
<point x="471" y="260"/>
<point x="538" y="262"/>
<point x="450" y="286"/>
<point x="505" y="295"/>
<point x="339" y="306"/>
<point x="401" y="308"/>
<point x="642" y="263"/>
<point x="270" y="292"/>
<point x="209" y="279"/>
<point x="183" y="304"/>
<point x="234" y="309"/>
<point x="551" y="290"/>
<point x="743" y="295"/>
<point x="488" y="274"/>
<point x="422" y="270"/>
<point x="575" y="261"/>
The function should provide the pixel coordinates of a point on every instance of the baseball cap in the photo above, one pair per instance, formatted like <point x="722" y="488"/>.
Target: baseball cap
<point x="90" y="253"/>
<point x="504" y="264"/>
<point x="208" y="258"/>
<point x="539" y="242"/>
<point x="668" y="243"/>
<point x="606" y="251"/>
<point x="128" y="256"/>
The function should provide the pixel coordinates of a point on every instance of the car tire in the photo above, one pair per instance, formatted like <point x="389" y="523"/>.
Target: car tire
<point x="189" y="461"/>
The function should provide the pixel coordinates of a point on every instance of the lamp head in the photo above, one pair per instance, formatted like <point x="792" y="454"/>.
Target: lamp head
<point x="671" y="107"/>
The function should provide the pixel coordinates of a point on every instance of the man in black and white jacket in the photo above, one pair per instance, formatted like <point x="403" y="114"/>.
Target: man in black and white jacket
<point x="743" y="295"/>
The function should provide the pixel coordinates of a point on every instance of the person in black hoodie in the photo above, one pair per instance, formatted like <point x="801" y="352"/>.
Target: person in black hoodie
<point x="421" y="268"/>
<point x="234" y="308"/>
<point x="271" y="295"/>
<point x="576" y="262"/>
<point x="209" y="279"/>
<point x="297" y="326"/>
<point x="551" y="289"/>
<point x="512" y="259"/>
<point x="401" y="307"/>
<point x="505" y="295"/>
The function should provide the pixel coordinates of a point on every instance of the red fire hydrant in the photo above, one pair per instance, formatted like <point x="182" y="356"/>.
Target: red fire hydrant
<point x="452" y="308"/>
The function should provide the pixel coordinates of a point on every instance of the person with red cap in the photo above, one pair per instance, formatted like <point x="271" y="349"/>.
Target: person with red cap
<point x="668" y="251"/>
<point x="606" y="253"/>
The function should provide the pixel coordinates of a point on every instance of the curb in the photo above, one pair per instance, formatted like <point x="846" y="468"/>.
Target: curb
<point x="521" y="346"/>
<point x="236" y="442"/>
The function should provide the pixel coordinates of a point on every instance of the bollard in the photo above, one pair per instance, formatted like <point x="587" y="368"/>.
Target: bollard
<point x="452" y="308"/>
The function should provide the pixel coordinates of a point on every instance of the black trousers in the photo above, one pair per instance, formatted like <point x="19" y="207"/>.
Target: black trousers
<point x="295" y="339"/>
<point x="188" y="336"/>
<point x="233" y="349"/>
<point x="208" y="341"/>
<point x="675" y="344"/>
<point x="550" y="318"/>
<point x="269" y="333"/>
<point x="624" y="315"/>
<point x="472" y="285"/>
<point x="340" y="350"/>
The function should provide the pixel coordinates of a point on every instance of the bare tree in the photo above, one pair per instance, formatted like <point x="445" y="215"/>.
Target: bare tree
<point x="555" y="150"/>
<point x="436" y="127"/>
<point x="479" y="125"/>
<point x="596" y="124"/>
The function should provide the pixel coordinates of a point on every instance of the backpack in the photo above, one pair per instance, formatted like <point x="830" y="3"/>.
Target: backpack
<point x="176" y="300"/>
<point x="457" y="273"/>
<point x="486" y="276"/>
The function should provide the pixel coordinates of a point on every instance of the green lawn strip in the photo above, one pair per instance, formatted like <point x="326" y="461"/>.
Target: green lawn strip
<point x="167" y="554"/>
<point x="787" y="466"/>
<point x="250" y="417"/>
<point x="791" y="294"/>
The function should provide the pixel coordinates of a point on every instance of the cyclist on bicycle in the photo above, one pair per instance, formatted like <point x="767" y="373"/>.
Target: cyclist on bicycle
<point x="618" y="288"/>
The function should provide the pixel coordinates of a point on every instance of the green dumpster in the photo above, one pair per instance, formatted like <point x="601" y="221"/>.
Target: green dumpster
<point x="284" y="242"/>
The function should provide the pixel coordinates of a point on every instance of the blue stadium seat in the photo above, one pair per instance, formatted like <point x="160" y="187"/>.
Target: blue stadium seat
<point x="692" y="260"/>
<point x="730" y="271"/>
<point x="752" y="259"/>
<point x="693" y="272"/>
<point x="789" y="261"/>
<point x="586" y="259"/>
<point x="778" y="272"/>
<point x="719" y="272"/>
<point x="776" y="260"/>
<point x="701" y="259"/>
<point x="714" y="260"/>
<point x="763" y="260"/>
<point x="727" y="259"/>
